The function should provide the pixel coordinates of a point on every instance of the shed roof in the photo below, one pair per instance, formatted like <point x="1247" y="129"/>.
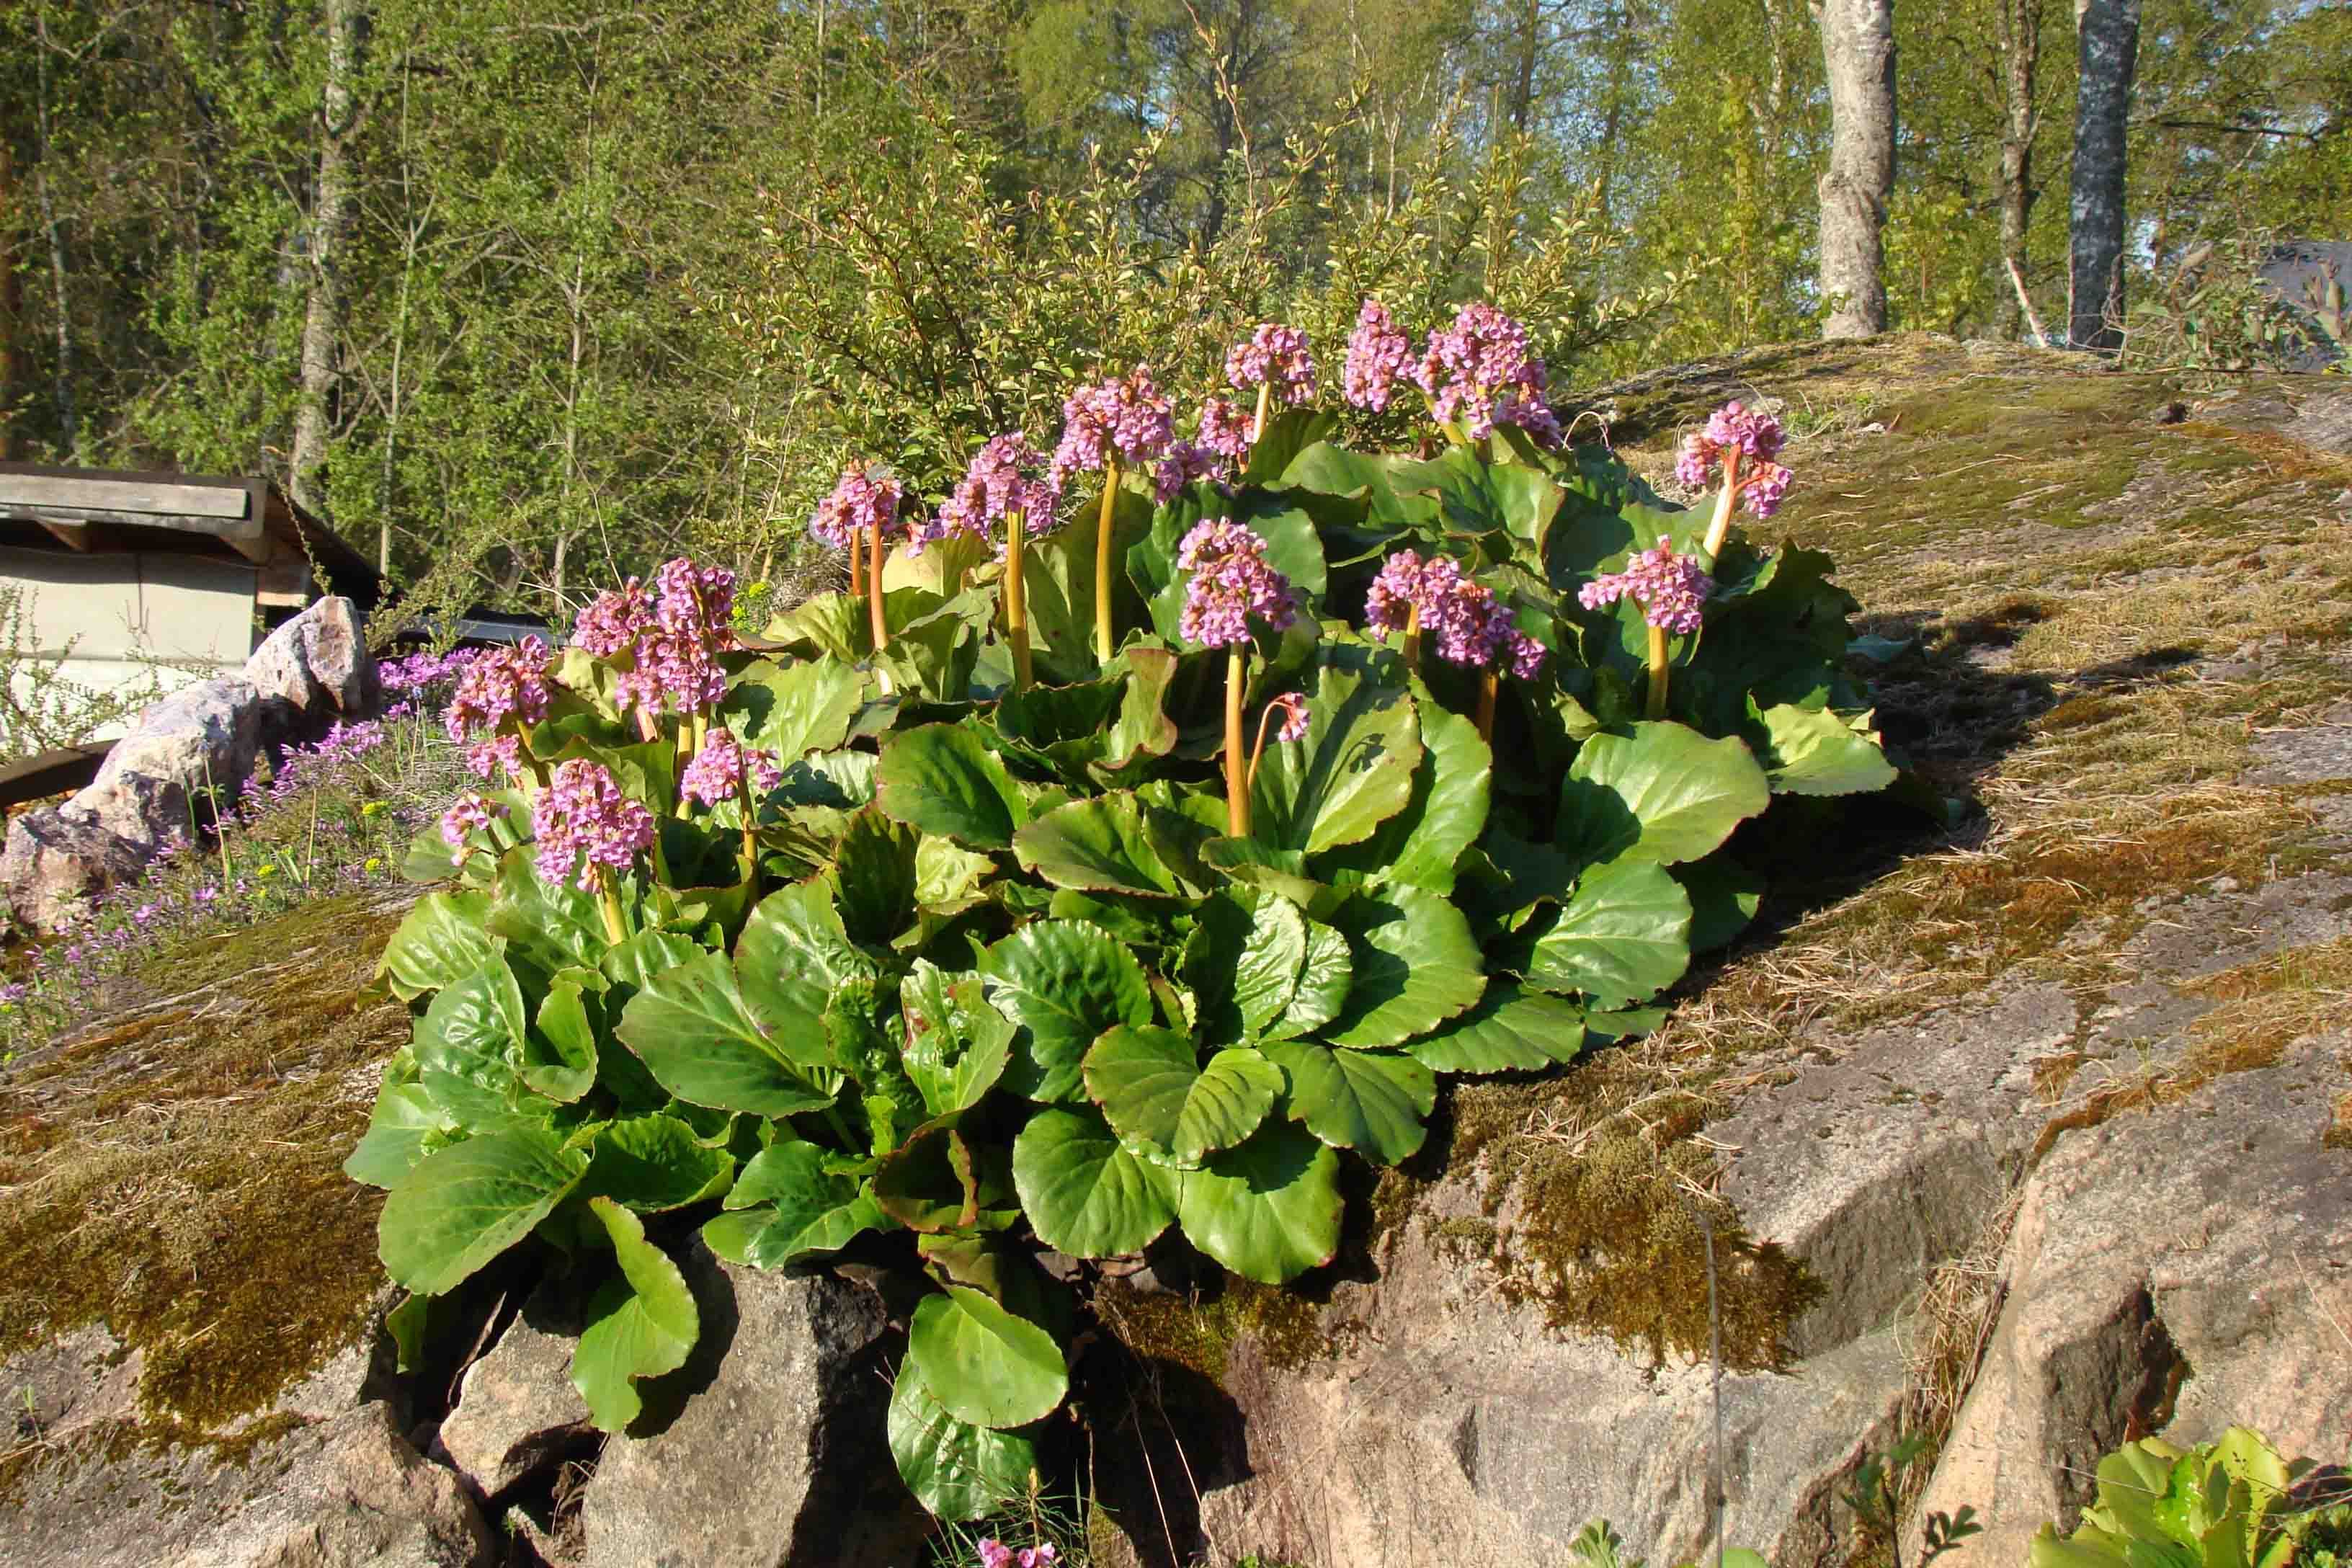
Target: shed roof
<point x="105" y="510"/>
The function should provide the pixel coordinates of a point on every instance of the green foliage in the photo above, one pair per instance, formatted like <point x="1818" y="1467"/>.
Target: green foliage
<point x="2222" y="1504"/>
<point x="988" y="970"/>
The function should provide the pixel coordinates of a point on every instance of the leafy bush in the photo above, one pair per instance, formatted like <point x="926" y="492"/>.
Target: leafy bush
<point x="1113" y="891"/>
<point x="2224" y="1504"/>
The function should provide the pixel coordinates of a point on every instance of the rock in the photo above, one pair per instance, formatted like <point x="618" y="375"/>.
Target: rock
<point x="311" y="671"/>
<point x="776" y="1454"/>
<point x="201" y="737"/>
<point x="55" y="860"/>
<point x="517" y="1408"/>
<point x="2172" y="1273"/>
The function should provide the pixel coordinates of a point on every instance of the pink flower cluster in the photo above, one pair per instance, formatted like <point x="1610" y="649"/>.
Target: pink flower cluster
<point x="1274" y="356"/>
<point x="1224" y="428"/>
<point x="583" y="819"/>
<point x="468" y="812"/>
<point x="1465" y="620"/>
<point x="1126" y="415"/>
<point x="1378" y="356"/>
<point x="1004" y="477"/>
<point x="995" y="1553"/>
<point x="1292" y="706"/>
<point x="1186" y="461"/>
<point x="864" y="495"/>
<point x="668" y="638"/>
<point x="1482" y="373"/>
<point x="1670" y="588"/>
<point x="499" y="684"/>
<point x="1737" y="436"/>
<point x="717" y="771"/>
<point x="1231" y="581"/>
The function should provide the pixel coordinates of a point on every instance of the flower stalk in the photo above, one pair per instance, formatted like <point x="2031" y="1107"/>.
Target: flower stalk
<point x="608" y="902"/>
<point x="1660" y="672"/>
<point x="1490" y="683"/>
<point x="1719" y="526"/>
<point x="1016" y="601"/>
<point x="1239" y="767"/>
<point x="874" y="586"/>
<point x="1103" y="644"/>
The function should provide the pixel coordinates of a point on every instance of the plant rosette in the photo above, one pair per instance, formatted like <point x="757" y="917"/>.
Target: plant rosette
<point x="879" y="944"/>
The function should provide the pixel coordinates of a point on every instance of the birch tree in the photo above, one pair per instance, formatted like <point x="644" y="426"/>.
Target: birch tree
<point x="2107" y="52"/>
<point x="1858" y="57"/>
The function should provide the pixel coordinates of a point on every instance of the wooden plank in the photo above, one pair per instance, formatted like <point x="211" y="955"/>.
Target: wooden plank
<point x="72" y="536"/>
<point x="245" y="536"/>
<point x="125" y="496"/>
<point x="51" y="772"/>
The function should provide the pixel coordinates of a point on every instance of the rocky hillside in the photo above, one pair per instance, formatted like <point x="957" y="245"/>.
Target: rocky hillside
<point x="2022" y="1122"/>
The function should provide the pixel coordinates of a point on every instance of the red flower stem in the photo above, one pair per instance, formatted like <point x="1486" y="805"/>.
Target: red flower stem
<point x="1102" y="559"/>
<point x="1237" y="768"/>
<point x="1257" y="752"/>
<point x="1657" y="704"/>
<point x="1720" y="527"/>
<point x="874" y="587"/>
<point x="1016" y="601"/>
<point x="856" y="556"/>
<point x="608" y="900"/>
<point x="1488" y="683"/>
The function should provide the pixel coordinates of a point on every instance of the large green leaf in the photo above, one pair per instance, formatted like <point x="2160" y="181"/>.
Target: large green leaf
<point x="440" y="941"/>
<point x="928" y="1182"/>
<point x="1424" y="843"/>
<point x="1622" y="937"/>
<point x="1352" y="772"/>
<point x="1811" y="750"/>
<point x="404" y="1119"/>
<point x="695" y="1032"/>
<point x="1062" y="982"/>
<point x="1374" y="1102"/>
<point x="984" y="1365"/>
<point x="957" y="1043"/>
<point x="1149" y="1082"/>
<point x="789" y="1202"/>
<point x="555" y="925"/>
<point x="1083" y="1193"/>
<point x="1269" y="1210"/>
<point x="469" y="1041"/>
<point x="874" y="874"/>
<point x="1243" y="962"/>
<point x="1510" y="1030"/>
<point x="559" y="1051"/>
<point x="641" y="1324"/>
<point x="1415" y="965"/>
<point x="463" y="1205"/>
<point x="654" y="1162"/>
<point x="796" y="707"/>
<point x="1096" y="844"/>
<point x="1324" y="981"/>
<point x="794" y="955"/>
<point x="940" y="778"/>
<point x="957" y="1469"/>
<point x="1685" y="795"/>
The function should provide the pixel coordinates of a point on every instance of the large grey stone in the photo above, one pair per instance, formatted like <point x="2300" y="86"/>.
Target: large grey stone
<point x="776" y="1454"/>
<point x="200" y="737"/>
<point x="311" y="671"/>
<point x="517" y="1408"/>
<point x="57" y="860"/>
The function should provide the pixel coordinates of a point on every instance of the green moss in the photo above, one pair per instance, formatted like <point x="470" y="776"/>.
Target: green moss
<point x="178" y="1177"/>
<point x="1199" y="1333"/>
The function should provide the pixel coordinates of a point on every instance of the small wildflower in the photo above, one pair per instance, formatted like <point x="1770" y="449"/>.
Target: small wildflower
<point x="582" y="819"/>
<point x="1231" y="582"/>
<point x="1670" y="588"/>
<point x="1483" y="372"/>
<point x="1185" y="462"/>
<point x="375" y="864"/>
<point x="995" y="1553"/>
<point x="1274" y="356"/>
<point x="865" y="496"/>
<point x="1379" y="356"/>
<point x="1125" y="418"/>
<point x="1224" y="428"/>
<point x="1006" y="476"/>
<point x="1292" y="707"/>
<point x="1744" y="443"/>
<point x="468" y="812"/>
<point x="717" y="771"/>
<point x="1465" y="621"/>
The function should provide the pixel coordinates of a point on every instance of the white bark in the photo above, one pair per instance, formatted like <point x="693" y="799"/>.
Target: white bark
<point x="2108" y="44"/>
<point x="322" y="321"/>
<point x="1858" y="53"/>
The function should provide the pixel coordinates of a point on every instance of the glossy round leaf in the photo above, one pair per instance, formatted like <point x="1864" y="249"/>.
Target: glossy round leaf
<point x="463" y="1205"/>
<point x="1062" y="982"/>
<point x="1622" y="937"/>
<point x="1084" y="1193"/>
<point x="1415" y="965"/>
<point x="1324" y="981"/>
<point x="1686" y="793"/>
<point x="986" y="1366"/>
<point x="957" y="1469"/>
<point x="1510" y="1030"/>
<point x="1352" y="772"/>
<point x="642" y="1324"/>
<point x="957" y="1043"/>
<point x="940" y="779"/>
<point x="1374" y="1102"/>
<point x="1269" y="1210"/>
<point x="692" y="1028"/>
<point x="1152" y="1087"/>
<point x="1811" y="750"/>
<point x="1096" y="844"/>
<point x="439" y="941"/>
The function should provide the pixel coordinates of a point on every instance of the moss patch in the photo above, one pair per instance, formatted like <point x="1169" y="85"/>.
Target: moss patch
<point x="1198" y="1333"/>
<point x="177" y="1175"/>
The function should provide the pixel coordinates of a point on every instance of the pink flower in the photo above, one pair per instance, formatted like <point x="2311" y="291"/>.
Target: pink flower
<point x="1406" y="582"/>
<point x="582" y="818"/>
<point x="1463" y="620"/>
<point x="1004" y="477"/>
<point x="717" y="771"/>
<point x="1232" y="582"/>
<point x="1378" y="356"/>
<point x="1274" y="356"/>
<point x="866" y="495"/>
<point x="1292" y="707"/>
<point x="468" y="812"/>
<point x="1483" y="372"/>
<point x="1126" y="417"/>
<point x="1755" y="439"/>
<point x="1185" y="462"/>
<point x="995" y="1553"/>
<point x="503" y="684"/>
<point x="1670" y="588"/>
<point x="1224" y="428"/>
<point x="614" y="621"/>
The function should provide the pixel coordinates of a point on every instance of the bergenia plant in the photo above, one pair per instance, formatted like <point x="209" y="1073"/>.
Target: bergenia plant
<point x="867" y="503"/>
<point x="1125" y="420"/>
<point x="1741" y="445"/>
<point x="1274" y="361"/>
<point x="740" y="950"/>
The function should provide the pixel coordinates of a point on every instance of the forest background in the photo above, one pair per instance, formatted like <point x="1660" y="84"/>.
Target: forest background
<point x="526" y="294"/>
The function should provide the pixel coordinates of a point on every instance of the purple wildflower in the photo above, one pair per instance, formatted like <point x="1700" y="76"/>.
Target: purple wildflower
<point x="1761" y="490"/>
<point x="503" y="684"/>
<point x="1126" y="417"/>
<point x="582" y="818"/>
<point x="1670" y="588"/>
<point x="1274" y="356"/>
<point x="1406" y="582"/>
<point x="1224" y="428"/>
<point x="1378" y="356"/>
<point x="1292" y="706"/>
<point x="1185" y="461"/>
<point x="995" y="1553"/>
<point x="614" y="621"/>
<point x="1482" y="373"/>
<point x="15" y="991"/>
<point x="1744" y="443"/>
<point x="1467" y="623"/>
<point x="866" y="495"/>
<point x="717" y="771"/>
<point x="1004" y="477"/>
<point x="468" y="812"/>
<point x="1231" y="582"/>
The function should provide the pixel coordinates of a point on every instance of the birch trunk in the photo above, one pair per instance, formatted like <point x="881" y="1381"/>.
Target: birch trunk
<point x="2107" y="49"/>
<point x="2021" y="57"/>
<point x="1858" y="54"/>
<point x="322" y="321"/>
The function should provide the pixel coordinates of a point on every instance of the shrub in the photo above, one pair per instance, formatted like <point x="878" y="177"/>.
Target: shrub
<point x="1115" y="888"/>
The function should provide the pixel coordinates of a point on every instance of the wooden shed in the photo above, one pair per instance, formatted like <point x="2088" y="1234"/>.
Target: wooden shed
<point x="141" y="577"/>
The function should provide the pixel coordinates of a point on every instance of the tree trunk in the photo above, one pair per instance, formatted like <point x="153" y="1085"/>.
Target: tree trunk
<point x="2107" y="43"/>
<point x="1523" y="72"/>
<point x="1858" y="52"/>
<point x="12" y="300"/>
<point x="322" y="322"/>
<point x="68" y="425"/>
<point x="2020" y="55"/>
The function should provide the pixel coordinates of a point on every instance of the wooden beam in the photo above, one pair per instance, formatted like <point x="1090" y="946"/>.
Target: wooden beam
<point x="245" y="535"/>
<point x="125" y="496"/>
<point x="72" y="536"/>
